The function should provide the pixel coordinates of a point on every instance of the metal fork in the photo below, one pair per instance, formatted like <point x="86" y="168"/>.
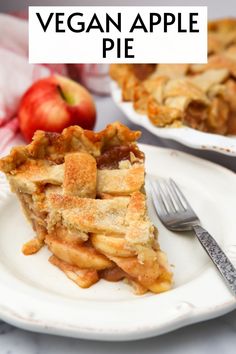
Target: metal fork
<point x="176" y="214"/>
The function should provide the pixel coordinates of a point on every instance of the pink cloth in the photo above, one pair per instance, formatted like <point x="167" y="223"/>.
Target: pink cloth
<point x="7" y="134"/>
<point x="16" y="74"/>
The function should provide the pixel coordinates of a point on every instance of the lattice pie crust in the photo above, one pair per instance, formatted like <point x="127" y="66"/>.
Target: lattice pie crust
<point x="201" y="96"/>
<point x="83" y="193"/>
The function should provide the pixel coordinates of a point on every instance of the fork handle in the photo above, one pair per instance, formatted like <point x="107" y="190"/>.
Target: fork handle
<point x="218" y="257"/>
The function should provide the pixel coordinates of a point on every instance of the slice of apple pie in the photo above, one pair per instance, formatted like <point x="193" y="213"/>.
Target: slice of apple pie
<point x="83" y="193"/>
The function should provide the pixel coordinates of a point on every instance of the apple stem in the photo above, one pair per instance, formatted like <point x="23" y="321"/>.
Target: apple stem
<point x="61" y="93"/>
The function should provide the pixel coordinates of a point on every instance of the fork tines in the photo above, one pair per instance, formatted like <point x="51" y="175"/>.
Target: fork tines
<point x="169" y="198"/>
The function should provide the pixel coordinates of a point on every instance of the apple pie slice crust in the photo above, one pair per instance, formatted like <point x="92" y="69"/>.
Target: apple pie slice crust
<point x="83" y="193"/>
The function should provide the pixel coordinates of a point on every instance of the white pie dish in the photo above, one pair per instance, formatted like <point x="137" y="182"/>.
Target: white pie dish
<point x="36" y="296"/>
<point x="184" y="135"/>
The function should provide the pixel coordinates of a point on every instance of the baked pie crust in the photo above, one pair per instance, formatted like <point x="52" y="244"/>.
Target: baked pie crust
<point x="201" y="96"/>
<point x="83" y="193"/>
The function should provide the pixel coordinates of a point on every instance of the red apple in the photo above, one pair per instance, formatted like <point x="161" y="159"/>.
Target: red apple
<point x="54" y="103"/>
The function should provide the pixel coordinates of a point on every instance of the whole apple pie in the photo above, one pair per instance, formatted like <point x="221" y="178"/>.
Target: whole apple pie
<point x="201" y="96"/>
<point x="83" y="193"/>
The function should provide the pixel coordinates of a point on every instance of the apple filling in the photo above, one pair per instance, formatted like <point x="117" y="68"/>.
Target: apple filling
<point x="111" y="158"/>
<point x="37" y="219"/>
<point x="196" y="115"/>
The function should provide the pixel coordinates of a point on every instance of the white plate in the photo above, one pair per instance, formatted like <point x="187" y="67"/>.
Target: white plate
<point x="37" y="296"/>
<point x="184" y="135"/>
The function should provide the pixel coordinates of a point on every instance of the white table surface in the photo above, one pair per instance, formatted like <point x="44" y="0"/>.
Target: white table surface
<point x="211" y="337"/>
